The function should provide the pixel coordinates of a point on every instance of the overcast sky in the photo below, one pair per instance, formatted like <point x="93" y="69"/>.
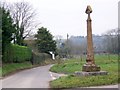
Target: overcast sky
<point x="68" y="16"/>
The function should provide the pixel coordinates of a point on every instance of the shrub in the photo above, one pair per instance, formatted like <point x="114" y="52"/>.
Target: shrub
<point x="7" y="54"/>
<point x="39" y="58"/>
<point x="16" y="53"/>
<point x="21" y="53"/>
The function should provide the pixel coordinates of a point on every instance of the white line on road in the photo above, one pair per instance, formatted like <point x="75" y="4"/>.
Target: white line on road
<point x="53" y="78"/>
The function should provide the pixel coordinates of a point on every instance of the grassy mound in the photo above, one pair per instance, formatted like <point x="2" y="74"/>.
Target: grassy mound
<point x="107" y="63"/>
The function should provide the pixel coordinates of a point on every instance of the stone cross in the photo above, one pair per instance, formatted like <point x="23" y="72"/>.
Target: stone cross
<point x="90" y="62"/>
<point x="90" y="55"/>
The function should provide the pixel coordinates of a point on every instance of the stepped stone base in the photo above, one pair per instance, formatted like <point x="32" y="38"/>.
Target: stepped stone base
<point x="78" y="73"/>
<point x="90" y="68"/>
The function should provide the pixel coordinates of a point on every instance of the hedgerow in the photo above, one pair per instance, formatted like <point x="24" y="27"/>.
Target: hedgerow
<point x="15" y="53"/>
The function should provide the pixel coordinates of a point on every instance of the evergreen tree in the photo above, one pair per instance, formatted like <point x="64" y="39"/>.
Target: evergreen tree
<point x="7" y="29"/>
<point x="45" y="41"/>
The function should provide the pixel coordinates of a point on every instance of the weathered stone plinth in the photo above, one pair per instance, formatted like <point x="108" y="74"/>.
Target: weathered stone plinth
<point x="90" y="68"/>
<point x="78" y="73"/>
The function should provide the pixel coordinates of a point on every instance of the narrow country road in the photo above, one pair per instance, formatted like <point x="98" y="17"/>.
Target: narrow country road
<point x="33" y="78"/>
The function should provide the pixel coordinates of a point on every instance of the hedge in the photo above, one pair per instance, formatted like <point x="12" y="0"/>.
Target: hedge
<point x="16" y="53"/>
<point x="39" y="58"/>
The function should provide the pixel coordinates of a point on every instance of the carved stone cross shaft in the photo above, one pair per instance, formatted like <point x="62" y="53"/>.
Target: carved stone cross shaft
<point x="90" y="52"/>
<point x="90" y="63"/>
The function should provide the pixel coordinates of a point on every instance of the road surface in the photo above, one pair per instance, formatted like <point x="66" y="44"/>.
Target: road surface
<point x="108" y="86"/>
<point x="35" y="78"/>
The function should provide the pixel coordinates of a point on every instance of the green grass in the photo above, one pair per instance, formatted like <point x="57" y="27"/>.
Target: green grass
<point x="16" y="53"/>
<point x="21" y="53"/>
<point x="13" y="67"/>
<point x="106" y="63"/>
<point x="0" y="71"/>
<point x="72" y="81"/>
<point x="67" y="67"/>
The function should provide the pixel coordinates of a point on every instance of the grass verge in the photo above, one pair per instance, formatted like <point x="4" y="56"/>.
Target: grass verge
<point x="14" y="67"/>
<point x="106" y="63"/>
<point x="0" y="71"/>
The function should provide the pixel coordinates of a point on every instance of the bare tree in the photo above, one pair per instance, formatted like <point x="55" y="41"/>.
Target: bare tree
<point x="111" y="41"/>
<point x="23" y="16"/>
